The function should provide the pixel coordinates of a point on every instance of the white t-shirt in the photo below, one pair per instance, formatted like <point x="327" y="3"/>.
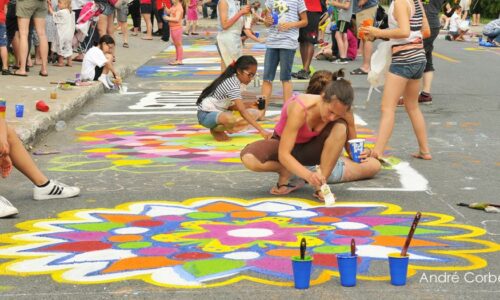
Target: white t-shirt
<point x="229" y="90"/>
<point x="454" y="22"/>
<point x="93" y="58"/>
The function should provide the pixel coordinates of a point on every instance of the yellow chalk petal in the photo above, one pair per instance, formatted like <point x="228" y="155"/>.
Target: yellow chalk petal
<point x="231" y="160"/>
<point x="132" y="162"/>
<point x="89" y="139"/>
<point x="123" y="132"/>
<point x="100" y="150"/>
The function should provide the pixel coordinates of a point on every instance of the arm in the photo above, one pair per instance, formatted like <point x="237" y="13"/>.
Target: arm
<point x="4" y="144"/>
<point x="426" y="29"/>
<point x="240" y="106"/>
<point x="252" y="36"/>
<point x="402" y="16"/>
<point x="177" y="17"/>
<point x="294" y="122"/>
<point x="361" y="3"/>
<point x="49" y="7"/>
<point x="338" y="4"/>
<point x="222" y="8"/>
<point x="299" y="24"/>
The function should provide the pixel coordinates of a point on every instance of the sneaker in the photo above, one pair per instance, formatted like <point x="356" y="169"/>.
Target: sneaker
<point x="340" y="61"/>
<point x="6" y="208"/>
<point x="55" y="190"/>
<point x="303" y="74"/>
<point x="425" y="98"/>
<point x="104" y="79"/>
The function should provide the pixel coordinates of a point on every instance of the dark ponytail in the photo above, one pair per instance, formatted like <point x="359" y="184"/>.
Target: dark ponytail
<point x="243" y="63"/>
<point x="340" y="88"/>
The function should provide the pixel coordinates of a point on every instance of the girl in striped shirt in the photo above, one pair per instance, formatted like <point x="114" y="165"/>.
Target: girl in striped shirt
<point x="223" y="95"/>
<point x="407" y="27"/>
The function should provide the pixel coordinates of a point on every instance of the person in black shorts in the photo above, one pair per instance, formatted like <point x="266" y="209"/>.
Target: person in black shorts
<point x="308" y="37"/>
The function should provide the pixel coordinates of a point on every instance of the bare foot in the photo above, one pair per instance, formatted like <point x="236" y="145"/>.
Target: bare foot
<point x="220" y="136"/>
<point x="58" y="65"/>
<point x="422" y="155"/>
<point x="147" y="38"/>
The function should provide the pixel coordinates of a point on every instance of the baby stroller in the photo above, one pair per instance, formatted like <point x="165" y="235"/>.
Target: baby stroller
<point x="87" y="34"/>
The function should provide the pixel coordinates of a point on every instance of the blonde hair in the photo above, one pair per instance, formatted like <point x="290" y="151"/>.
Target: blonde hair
<point x="65" y="3"/>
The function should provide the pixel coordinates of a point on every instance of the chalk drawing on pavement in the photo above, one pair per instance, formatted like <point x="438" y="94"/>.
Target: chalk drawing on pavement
<point x="207" y="242"/>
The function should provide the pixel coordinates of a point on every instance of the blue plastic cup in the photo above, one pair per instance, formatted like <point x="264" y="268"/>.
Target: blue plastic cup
<point x="275" y="18"/>
<point x="256" y="34"/>
<point x="302" y="272"/>
<point x="347" y="268"/>
<point x="398" y="267"/>
<point x="19" y="110"/>
<point x="356" y="146"/>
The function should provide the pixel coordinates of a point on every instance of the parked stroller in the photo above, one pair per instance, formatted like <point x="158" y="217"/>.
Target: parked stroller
<point x="87" y="34"/>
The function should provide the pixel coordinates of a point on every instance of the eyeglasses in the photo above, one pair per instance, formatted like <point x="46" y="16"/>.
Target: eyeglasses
<point x="250" y="75"/>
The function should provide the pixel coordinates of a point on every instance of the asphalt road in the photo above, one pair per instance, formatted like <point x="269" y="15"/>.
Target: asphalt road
<point x="104" y="150"/>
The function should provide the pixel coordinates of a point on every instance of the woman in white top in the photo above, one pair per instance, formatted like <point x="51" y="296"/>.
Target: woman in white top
<point x="230" y="25"/>
<point x="407" y="27"/>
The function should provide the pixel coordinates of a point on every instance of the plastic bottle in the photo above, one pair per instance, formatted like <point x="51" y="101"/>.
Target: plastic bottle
<point x="60" y="125"/>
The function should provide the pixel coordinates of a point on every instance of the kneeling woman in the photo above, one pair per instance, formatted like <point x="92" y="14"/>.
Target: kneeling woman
<point x="313" y="130"/>
<point x="223" y="95"/>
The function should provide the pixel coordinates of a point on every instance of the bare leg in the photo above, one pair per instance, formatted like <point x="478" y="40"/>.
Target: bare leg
<point x="147" y="20"/>
<point x="23" y="161"/>
<point x="417" y="118"/>
<point x="15" y="48"/>
<point x="252" y="163"/>
<point x="110" y="29"/>
<point x="367" y="55"/>
<point x="427" y="81"/>
<point x="123" y="27"/>
<point x="333" y="148"/>
<point x="309" y="53"/>
<point x="23" y="24"/>
<point x="287" y="90"/>
<point x="102" y="25"/>
<point x="394" y="88"/>
<point x="354" y="171"/>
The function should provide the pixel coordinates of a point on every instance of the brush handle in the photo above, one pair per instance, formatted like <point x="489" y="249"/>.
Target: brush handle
<point x="353" y="247"/>
<point x="303" y="247"/>
<point x="410" y="234"/>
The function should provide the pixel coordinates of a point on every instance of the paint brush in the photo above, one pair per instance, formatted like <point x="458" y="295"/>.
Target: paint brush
<point x="303" y="247"/>
<point x="410" y="234"/>
<point x="353" y="247"/>
<point x="328" y="196"/>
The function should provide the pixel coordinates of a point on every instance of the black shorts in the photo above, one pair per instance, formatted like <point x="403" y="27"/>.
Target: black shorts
<point x="98" y="72"/>
<point x="309" y="34"/>
<point x="146" y="8"/>
<point x="342" y="26"/>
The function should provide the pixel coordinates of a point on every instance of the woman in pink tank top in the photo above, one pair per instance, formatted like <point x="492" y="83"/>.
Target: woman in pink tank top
<point x="313" y="130"/>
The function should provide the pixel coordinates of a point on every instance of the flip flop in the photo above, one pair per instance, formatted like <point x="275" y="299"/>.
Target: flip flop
<point x="125" y="45"/>
<point x="43" y="75"/>
<point x="78" y="59"/>
<point x="422" y="155"/>
<point x="358" y="71"/>
<point x="17" y="74"/>
<point x="290" y="188"/>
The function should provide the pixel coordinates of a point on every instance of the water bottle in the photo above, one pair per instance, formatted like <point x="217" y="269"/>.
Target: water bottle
<point x="60" y="125"/>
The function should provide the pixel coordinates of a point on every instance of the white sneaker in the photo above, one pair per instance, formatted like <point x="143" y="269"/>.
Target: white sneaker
<point x="55" y="190"/>
<point x="110" y="82"/>
<point x="104" y="79"/>
<point x="6" y="208"/>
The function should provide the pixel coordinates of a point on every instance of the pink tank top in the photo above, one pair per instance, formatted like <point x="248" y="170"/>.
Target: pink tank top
<point x="305" y="134"/>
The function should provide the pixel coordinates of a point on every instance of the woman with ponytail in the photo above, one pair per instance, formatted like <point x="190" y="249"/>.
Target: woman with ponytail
<point x="313" y="130"/>
<point x="223" y="95"/>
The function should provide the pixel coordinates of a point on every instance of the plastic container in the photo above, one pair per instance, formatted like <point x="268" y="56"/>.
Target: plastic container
<point x="302" y="272"/>
<point x="60" y="125"/>
<point x="19" y="110"/>
<point x="356" y="146"/>
<point x="348" y="265"/>
<point x="398" y="268"/>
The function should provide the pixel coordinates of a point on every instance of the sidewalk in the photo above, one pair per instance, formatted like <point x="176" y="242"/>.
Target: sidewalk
<point x="28" y="90"/>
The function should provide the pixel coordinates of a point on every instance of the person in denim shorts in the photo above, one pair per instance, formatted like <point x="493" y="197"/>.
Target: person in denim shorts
<point x="105" y="22"/>
<point x="406" y="70"/>
<point x="284" y="18"/>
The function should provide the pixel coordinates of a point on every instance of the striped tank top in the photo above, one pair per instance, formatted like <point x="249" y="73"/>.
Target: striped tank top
<point x="409" y="50"/>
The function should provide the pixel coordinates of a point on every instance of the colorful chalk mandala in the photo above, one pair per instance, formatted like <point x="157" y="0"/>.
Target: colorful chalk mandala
<point x="156" y="147"/>
<point x="206" y="242"/>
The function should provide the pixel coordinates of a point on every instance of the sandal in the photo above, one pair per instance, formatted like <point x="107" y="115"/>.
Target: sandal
<point x="289" y="188"/>
<point x="422" y="155"/>
<point x="125" y="45"/>
<point x="358" y="71"/>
